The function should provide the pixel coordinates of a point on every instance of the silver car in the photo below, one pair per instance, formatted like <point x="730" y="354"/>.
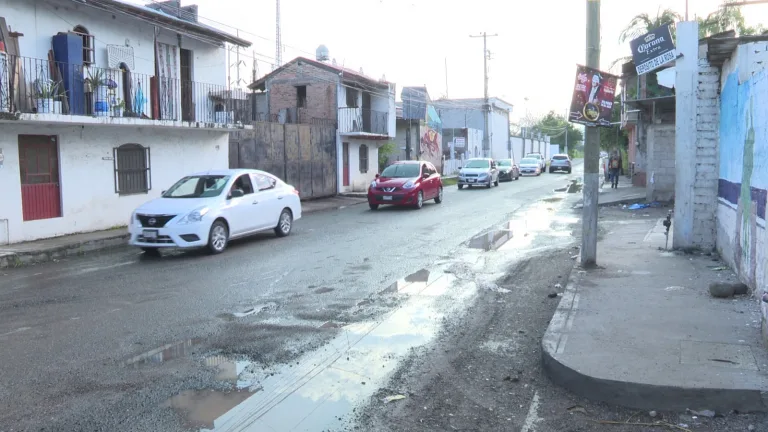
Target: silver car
<point x="529" y="165"/>
<point x="540" y="158"/>
<point x="479" y="172"/>
<point x="560" y="162"/>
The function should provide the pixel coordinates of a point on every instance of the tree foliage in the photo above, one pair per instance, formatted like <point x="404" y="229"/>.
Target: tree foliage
<point x="724" y="19"/>
<point x="555" y="126"/>
<point x="643" y="23"/>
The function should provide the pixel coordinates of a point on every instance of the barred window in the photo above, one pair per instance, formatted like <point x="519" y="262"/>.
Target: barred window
<point x="363" y="158"/>
<point x="132" y="169"/>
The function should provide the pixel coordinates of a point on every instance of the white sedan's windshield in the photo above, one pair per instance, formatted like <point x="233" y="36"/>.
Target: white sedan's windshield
<point x="477" y="163"/>
<point x="205" y="186"/>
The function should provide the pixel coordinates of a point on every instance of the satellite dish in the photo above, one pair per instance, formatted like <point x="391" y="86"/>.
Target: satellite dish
<point x="322" y="54"/>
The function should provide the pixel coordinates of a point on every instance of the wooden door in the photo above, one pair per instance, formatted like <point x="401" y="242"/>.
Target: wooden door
<point x="39" y="167"/>
<point x="345" y="164"/>
<point x="187" y="104"/>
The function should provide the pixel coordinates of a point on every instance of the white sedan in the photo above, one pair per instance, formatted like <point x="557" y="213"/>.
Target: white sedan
<point x="208" y="209"/>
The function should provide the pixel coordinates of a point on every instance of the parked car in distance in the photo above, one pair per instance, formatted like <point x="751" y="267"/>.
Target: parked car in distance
<point x="406" y="183"/>
<point x="540" y="158"/>
<point x="209" y="209"/>
<point x="479" y="172"/>
<point x="529" y="165"/>
<point x="508" y="170"/>
<point x="560" y="162"/>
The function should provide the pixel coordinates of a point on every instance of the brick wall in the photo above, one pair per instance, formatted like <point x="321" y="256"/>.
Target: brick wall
<point x="321" y="91"/>
<point x="660" y="162"/>
<point x="707" y="151"/>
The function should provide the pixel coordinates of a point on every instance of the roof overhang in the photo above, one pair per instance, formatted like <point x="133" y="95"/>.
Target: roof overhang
<point x="657" y="102"/>
<point x="720" y="47"/>
<point x="192" y="29"/>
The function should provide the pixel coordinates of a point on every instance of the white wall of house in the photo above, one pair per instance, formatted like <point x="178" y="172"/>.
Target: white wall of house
<point x="86" y="170"/>
<point x="358" y="180"/>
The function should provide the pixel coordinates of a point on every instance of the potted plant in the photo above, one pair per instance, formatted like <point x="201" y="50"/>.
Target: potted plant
<point x="45" y="90"/>
<point x="100" y="91"/>
<point x="118" y="107"/>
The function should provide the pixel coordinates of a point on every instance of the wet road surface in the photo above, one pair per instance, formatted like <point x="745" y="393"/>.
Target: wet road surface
<point x="117" y="341"/>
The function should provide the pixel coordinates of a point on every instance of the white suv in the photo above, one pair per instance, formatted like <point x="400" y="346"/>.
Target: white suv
<point x="542" y="161"/>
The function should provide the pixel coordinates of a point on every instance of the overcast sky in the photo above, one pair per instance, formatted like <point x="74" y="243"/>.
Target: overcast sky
<point x="539" y="42"/>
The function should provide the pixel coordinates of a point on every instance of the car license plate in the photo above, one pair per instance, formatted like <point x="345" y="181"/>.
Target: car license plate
<point x="470" y="180"/>
<point x="150" y="234"/>
<point x="386" y="198"/>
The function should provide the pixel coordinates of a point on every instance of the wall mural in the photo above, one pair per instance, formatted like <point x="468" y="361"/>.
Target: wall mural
<point x="431" y="147"/>
<point x="743" y="181"/>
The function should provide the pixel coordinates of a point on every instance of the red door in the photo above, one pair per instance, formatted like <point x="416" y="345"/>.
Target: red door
<point x="39" y="167"/>
<point x="345" y="164"/>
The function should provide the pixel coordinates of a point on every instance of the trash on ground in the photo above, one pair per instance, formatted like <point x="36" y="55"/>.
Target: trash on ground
<point x="653" y="413"/>
<point x="638" y="206"/>
<point x="577" y="409"/>
<point x="558" y="286"/>
<point x="552" y="295"/>
<point x="703" y="413"/>
<point x="393" y="398"/>
<point x="719" y="268"/>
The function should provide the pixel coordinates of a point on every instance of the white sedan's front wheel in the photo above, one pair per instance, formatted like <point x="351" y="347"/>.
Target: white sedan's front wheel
<point x="218" y="237"/>
<point x="284" y="224"/>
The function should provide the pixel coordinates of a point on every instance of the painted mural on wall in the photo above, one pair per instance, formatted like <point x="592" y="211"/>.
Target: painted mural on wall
<point x="743" y="184"/>
<point x="431" y="147"/>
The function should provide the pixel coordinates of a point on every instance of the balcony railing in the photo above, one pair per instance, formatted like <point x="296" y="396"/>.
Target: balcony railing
<point x="38" y="86"/>
<point x="363" y="120"/>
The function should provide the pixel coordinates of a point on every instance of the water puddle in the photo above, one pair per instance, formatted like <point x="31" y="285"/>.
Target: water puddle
<point x="523" y="231"/>
<point x="316" y="392"/>
<point x="164" y="353"/>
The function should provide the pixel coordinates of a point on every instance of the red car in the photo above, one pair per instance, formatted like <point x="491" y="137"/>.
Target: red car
<point x="406" y="183"/>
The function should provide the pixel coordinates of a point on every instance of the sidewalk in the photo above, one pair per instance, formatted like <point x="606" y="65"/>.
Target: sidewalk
<point x="642" y="330"/>
<point x="625" y="194"/>
<point x="19" y="254"/>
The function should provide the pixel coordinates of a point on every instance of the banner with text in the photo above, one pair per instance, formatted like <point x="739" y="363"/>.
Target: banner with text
<point x="593" y="96"/>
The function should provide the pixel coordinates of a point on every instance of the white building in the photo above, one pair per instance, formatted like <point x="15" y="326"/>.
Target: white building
<point x="319" y="92"/>
<point x="468" y="113"/>
<point x="103" y="104"/>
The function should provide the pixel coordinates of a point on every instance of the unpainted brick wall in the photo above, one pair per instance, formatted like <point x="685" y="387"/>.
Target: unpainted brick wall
<point x="661" y="162"/>
<point x="707" y="153"/>
<point x="321" y="91"/>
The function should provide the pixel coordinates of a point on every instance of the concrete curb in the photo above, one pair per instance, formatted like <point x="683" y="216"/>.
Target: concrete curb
<point x="625" y="393"/>
<point x="19" y="259"/>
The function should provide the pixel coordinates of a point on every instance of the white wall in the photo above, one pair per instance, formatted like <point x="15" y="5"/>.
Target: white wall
<point x="89" y="201"/>
<point x="41" y="20"/>
<point x="358" y="182"/>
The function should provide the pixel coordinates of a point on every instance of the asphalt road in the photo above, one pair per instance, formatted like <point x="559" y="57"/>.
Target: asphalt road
<point x="75" y="332"/>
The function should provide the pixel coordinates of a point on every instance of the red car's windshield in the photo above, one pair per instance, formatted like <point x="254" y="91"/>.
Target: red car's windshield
<point x="402" y="171"/>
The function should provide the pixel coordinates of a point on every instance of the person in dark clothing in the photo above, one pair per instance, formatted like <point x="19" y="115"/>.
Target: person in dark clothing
<point x="615" y="167"/>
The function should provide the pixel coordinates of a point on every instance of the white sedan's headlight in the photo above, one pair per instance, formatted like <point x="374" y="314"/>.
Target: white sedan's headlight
<point x="133" y="220"/>
<point x="195" y="215"/>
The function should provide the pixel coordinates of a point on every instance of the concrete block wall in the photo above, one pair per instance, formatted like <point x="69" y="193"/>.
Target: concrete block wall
<point x="321" y="91"/>
<point x="705" y="184"/>
<point x="661" y="162"/>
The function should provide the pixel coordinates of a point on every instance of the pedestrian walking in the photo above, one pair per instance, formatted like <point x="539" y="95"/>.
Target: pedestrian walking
<point x="615" y="166"/>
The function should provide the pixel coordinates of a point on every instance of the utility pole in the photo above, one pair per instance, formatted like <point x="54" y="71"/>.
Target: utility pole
<point x="591" y="149"/>
<point x="486" y="104"/>
<point x="567" y="115"/>
<point x="278" y="37"/>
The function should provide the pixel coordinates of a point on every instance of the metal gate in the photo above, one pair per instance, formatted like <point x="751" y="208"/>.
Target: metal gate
<point x="39" y="166"/>
<point x="301" y="155"/>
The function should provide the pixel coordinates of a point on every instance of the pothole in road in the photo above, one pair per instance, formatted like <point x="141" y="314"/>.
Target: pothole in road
<point x="318" y="390"/>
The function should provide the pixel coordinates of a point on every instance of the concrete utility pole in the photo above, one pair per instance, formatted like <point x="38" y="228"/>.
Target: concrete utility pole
<point x="486" y="104"/>
<point x="591" y="149"/>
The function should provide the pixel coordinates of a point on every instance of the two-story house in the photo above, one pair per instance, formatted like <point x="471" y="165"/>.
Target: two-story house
<point x="104" y="103"/>
<point x="321" y="92"/>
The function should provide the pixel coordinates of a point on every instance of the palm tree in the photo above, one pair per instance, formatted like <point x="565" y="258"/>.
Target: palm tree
<point x="642" y="24"/>
<point x="726" y="18"/>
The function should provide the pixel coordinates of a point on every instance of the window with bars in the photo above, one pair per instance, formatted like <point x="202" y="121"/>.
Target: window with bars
<point x="89" y="44"/>
<point x="132" y="169"/>
<point x="363" y="158"/>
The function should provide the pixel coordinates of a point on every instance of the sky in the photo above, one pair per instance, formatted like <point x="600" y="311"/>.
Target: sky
<point x="410" y="42"/>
